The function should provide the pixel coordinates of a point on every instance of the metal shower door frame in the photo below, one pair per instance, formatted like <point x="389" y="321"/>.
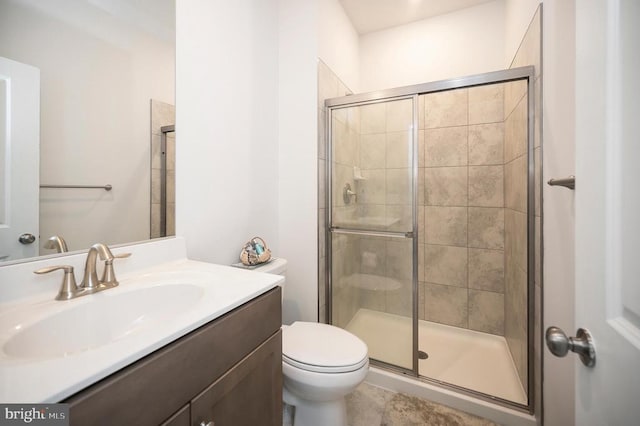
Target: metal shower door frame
<point x="330" y="229"/>
<point x="413" y="92"/>
<point x="163" y="177"/>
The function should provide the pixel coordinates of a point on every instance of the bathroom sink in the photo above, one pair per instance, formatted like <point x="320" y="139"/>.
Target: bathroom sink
<point x="51" y="349"/>
<point x="102" y="319"/>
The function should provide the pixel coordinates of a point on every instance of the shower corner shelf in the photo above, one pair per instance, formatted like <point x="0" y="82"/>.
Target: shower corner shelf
<point x="357" y="174"/>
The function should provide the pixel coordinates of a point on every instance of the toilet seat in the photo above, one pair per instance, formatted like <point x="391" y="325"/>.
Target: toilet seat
<point x="322" y="348"/>
<point x="324" y="369"/>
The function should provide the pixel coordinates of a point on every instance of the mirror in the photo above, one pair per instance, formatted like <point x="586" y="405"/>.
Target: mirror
<point x="107" y="89"/>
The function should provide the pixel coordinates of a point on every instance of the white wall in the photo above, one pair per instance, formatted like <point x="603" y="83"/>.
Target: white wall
<point x="518" y="15"/>
<point x="469" y="41"/>
<point x="246" y="120"/>
<point x="227" y="126"/>
<point x="94" y="123"/>
<point x="297" y="180"/>
<point x="338" y="43"/>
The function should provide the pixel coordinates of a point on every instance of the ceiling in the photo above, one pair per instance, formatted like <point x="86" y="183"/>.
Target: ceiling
<point x="374" y="15"/>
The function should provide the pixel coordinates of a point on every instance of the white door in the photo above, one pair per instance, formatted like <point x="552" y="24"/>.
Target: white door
<point x="558" y="152"/>
<point x="607" y="211"/>
<point x="19" y="159"/>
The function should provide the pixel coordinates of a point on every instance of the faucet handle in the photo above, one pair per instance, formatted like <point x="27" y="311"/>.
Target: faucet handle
<point x="69" y="289"/>
<point x="109" y="275"/>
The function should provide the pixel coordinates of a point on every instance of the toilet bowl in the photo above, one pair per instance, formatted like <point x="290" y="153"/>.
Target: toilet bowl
<point x="321" y="364"/>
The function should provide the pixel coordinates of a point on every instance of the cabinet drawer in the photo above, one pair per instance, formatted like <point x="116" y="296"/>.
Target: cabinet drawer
<point x="150" y="390"/>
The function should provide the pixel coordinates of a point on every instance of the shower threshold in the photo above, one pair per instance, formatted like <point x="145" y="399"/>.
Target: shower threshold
<point x="470" y="359"/>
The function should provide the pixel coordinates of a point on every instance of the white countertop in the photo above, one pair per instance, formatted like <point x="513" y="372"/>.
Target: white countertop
<point x="51" y="379"/>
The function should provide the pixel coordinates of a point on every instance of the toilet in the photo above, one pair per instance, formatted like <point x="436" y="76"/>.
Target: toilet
<point x="321" y="364"/>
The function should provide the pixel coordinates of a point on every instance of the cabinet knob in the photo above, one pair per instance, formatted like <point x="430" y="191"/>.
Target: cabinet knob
<point x="211" y="423"/>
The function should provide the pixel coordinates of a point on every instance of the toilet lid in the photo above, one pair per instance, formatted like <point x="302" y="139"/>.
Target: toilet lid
<point x="322" y="348"/>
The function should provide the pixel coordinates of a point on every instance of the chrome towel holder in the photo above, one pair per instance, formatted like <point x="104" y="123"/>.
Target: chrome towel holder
<point x="568" y="182"/>
<point x="105" y="187"/>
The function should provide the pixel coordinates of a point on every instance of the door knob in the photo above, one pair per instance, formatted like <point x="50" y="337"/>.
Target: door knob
<point x="27" y="238"/>
<point x="559" y="344"/>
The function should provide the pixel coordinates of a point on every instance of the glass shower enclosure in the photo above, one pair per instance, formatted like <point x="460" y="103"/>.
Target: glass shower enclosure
<point x="373" y="224"/>
<point x="430" y="230"/>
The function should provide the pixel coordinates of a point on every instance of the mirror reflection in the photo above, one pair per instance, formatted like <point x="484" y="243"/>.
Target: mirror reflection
<point x="87" y="123"/>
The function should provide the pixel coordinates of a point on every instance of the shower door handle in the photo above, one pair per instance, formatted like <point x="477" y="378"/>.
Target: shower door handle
<point x="559" y="344"/>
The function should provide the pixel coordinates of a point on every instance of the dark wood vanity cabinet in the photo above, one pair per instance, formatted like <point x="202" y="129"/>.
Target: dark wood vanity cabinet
<point x="227" y="372"/>
<point x="246" y="394"/>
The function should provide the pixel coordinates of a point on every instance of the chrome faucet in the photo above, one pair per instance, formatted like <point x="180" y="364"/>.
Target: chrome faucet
<point x="69" y="290"/>
<point x="90" y="282"/>
<point x="58" y="243"/>
<point x="108" y="279"/>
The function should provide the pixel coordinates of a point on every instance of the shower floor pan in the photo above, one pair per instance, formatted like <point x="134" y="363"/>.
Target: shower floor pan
<point x="470" y="359"/>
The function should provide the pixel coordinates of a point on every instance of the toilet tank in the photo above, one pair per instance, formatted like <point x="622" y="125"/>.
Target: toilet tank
<point x="276" y="266"/>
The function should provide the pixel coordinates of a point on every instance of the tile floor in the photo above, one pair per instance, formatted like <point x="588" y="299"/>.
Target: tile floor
<point x="370" y="405"/>
<point x="373" y="406"/>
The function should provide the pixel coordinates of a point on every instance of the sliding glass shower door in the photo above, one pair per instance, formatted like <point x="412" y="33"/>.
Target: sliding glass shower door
<point x="443" y="172"/>
<point x="372" y="156"/>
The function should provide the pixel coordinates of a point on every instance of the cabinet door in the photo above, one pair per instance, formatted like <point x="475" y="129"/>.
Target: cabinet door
<point x="247" y="395"/>
<point x="164" y="381"/>
<point x="180" y="418"/>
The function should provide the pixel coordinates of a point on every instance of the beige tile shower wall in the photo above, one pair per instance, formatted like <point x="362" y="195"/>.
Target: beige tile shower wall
<point x="345" y="249"/>
<point x="516" y="226"/>
<point x="385" y="202"/>
<point x="461" y="208"/>
<point x="385" y="274"/>
<point x="529" y="53"/>
<point x="346" y="153"/>
<point x="162" y="114"/>
<point x="384" y="195"/>
<point x="345" y="296"/>
<point x="329" y="86"/>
